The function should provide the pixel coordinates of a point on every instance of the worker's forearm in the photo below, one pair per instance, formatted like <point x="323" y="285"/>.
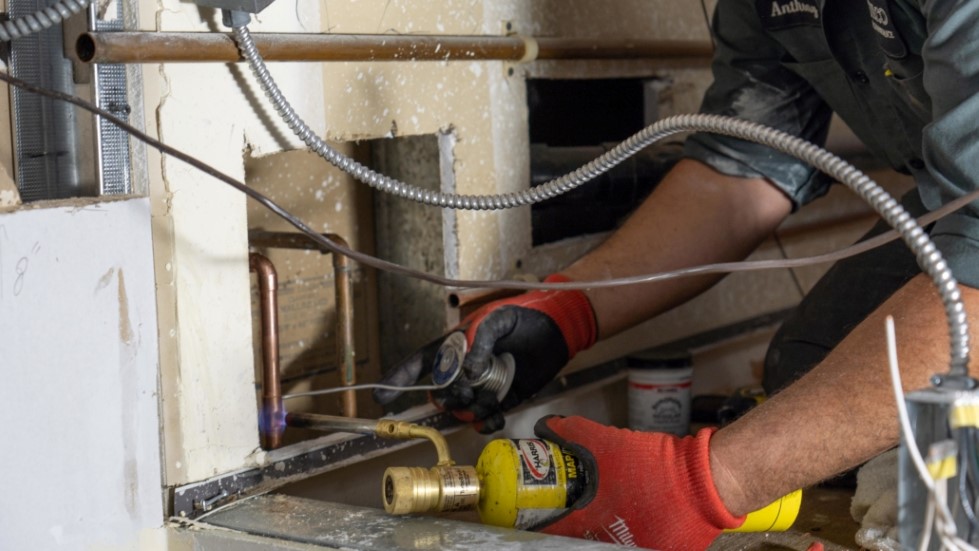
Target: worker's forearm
<point x="695" y="216"/>
<point x="842" y="412"/>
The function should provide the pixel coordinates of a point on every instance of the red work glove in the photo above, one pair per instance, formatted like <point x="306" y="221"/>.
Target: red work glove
<point x="543" y="330"/>
<point x="645" y="489"/>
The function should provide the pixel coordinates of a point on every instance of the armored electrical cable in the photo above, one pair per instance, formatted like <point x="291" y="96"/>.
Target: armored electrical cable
<point x="928" y="256"/>
<point x="41" y="19"/>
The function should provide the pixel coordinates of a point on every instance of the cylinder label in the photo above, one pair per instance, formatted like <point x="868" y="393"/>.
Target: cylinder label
<point x="536" y="463"/>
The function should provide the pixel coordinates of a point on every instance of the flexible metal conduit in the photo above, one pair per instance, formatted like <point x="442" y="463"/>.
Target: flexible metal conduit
<point x="41" y="19"/>
<point x="154" y="47"/>
<point x="928" y="256"/>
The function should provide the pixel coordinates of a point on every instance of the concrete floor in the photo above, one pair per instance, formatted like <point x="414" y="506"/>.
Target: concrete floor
<point x="276" y="522"/>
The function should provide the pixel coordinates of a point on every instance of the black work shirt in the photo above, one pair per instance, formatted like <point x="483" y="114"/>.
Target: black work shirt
<point x="903" y="74"/>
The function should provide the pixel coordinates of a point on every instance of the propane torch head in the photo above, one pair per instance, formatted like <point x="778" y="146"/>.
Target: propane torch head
<point x="439" y="489"/>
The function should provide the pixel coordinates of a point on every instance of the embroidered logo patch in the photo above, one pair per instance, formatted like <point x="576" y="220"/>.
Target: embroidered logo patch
<point x="781" y="14"/>
<point x="887" y="36"/>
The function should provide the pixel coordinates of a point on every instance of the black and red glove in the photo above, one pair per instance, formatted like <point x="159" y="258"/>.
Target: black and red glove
<point x="645" y="489"/>
<point x="542" y="330"/>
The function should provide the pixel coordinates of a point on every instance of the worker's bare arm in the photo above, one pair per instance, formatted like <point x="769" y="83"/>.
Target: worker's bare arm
<point x="695" y="216"/>
<point x="842" y="412"/>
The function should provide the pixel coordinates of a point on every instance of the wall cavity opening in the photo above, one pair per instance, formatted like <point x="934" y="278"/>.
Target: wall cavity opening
<point x="575" y="121"/>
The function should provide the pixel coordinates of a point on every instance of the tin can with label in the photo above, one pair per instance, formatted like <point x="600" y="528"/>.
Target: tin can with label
<point x="659" y="392"/>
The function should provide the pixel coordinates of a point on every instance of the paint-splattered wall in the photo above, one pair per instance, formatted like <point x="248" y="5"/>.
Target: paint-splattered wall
<point x="218" y="112"/>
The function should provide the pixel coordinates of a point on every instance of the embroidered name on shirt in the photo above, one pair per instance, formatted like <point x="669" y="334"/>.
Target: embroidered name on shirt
<point x="795" y="6"/>
<point x="883" y="24"/>
<point x="781" y="14"/>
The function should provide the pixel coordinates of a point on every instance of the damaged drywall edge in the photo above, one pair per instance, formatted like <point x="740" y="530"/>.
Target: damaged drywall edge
<point x="208" y="375"/>
<point x="9" y="194"/>
<point x="164" y="259"/>
<point x="450" y="234"/>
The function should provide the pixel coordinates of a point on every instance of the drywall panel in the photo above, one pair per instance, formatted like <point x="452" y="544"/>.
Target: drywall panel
<point x="81" y="452"/>
<point x="216" y="112"/>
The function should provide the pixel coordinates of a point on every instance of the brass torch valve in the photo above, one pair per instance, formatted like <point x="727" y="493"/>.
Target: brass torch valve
<point x="444" y="487"/>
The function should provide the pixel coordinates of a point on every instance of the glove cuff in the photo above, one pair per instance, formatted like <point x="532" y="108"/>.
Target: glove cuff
<point x="696" y="454"/>
<point x="571" y="311"/>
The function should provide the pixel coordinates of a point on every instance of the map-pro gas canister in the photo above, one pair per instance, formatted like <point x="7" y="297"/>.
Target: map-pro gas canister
<point x="525" y="483"/>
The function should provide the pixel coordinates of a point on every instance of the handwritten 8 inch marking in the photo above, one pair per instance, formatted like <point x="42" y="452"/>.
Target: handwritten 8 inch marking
<point x="20" y="270"/>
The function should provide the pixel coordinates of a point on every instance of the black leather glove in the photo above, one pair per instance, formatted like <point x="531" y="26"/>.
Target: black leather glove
<point x="541" y="330"/>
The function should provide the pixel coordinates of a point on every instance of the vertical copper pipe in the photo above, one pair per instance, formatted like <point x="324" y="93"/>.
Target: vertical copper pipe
<point x="343" y="289"/>
<point x="346" y="361"/>
<point x="272" y="423"/>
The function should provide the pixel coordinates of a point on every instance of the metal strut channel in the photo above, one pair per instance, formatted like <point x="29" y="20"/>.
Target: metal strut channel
<point x="112" y="94"/>
<point x="58" y="152"/>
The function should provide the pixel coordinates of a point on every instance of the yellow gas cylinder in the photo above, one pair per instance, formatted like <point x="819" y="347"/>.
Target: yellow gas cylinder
<point x="777" y="516"/>
<point x="526" y="483"/>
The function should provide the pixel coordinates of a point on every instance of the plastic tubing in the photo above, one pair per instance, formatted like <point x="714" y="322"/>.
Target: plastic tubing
<point x="41" y="19"/>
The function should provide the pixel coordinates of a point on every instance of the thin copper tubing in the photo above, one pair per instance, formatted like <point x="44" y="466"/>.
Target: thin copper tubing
<point x="343" y="288"/>
<point x="162" y="47"/>
<point x="272" y="423"/>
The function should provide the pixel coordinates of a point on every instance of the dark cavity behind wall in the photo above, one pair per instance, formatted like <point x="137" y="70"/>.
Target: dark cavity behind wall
<point x="411" y="312"/>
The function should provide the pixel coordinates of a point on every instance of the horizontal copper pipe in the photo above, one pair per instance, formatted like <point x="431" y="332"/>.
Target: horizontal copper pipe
<point x="161" y="47"/>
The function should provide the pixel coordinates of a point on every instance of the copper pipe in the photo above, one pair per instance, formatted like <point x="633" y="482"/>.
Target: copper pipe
<point x="343" y="288"/>
<point x="594" y="48"/>
<point x="345" y="326"/>
<point x="272" y="417"/>
<point x="159" y="47"/>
